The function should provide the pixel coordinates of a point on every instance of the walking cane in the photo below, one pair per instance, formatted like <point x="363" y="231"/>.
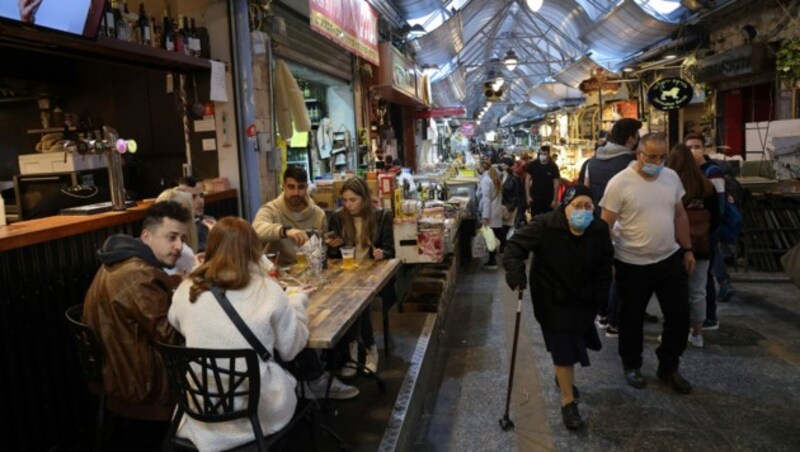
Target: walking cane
<point x="505" y="422"/>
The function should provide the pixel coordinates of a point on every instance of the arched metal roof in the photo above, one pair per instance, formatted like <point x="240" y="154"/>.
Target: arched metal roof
<point x="558" y="46"/>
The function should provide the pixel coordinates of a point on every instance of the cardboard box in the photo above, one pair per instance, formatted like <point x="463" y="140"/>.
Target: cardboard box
<point x="59" y="162"/>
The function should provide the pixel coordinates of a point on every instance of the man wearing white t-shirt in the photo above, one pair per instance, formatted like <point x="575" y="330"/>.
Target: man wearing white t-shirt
<point x="653" y="254"/>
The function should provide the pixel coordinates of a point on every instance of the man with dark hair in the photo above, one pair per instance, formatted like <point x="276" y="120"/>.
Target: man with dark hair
<point x="541" y="183"/>
<point x="282" y="223"/>
<point x="204" y="223"/>
<point x="127" y="306"/>
<point x="609" y="160"/>
<point x="652" y="255"/>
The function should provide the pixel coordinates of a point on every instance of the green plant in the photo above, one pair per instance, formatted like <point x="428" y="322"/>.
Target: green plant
<point x="788" y="59"/>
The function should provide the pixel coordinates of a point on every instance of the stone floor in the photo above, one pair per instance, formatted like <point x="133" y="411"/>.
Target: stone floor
<point x="746" y="384"/>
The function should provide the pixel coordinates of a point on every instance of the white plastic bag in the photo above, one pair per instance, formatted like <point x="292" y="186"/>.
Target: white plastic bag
<point x="479" y="247"/>
<point x="491" y="240"/>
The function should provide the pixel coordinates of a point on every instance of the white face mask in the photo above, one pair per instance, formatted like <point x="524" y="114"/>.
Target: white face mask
<point x="543" y="158"/>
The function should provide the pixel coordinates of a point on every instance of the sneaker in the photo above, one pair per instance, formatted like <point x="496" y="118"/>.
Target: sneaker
<point x="601" y="322"/>
<point x="490" y="267"/>
<point x="634" y="378"/>
<point x="317" y="389"/>
<point x="571" y="416"/>
<point x="710" y="325"/>
<point x="697" y="341"/>
<point x="612" y="331"/>
<point x="371" y="361"/>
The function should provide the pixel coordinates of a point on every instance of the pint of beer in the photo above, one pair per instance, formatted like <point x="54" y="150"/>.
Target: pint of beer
<point x="348" y="257"/>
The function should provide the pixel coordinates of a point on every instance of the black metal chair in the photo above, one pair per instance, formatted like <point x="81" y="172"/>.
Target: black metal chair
<point x="90" y="355"/>
<point x="211" y="384"/>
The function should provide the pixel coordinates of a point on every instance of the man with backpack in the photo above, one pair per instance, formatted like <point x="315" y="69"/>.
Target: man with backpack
<point x="730" y="226"/>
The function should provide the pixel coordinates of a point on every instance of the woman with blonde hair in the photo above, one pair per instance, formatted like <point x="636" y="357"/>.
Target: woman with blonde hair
<point x="490" y="204"/>
<point x="369" y="230"/>
<point x="279" y="321"/>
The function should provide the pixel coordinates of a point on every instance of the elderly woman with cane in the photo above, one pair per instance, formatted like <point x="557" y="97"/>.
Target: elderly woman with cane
<point x="569" y="277"/>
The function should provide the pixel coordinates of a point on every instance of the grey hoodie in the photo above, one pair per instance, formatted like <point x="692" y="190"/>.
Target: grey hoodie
<point x="609" y="160"/>
<point x="611" y="150"/>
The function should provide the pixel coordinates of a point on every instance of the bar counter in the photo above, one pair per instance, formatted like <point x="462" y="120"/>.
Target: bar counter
<point x="31" y="232"/>
<point x="46" y="266"/>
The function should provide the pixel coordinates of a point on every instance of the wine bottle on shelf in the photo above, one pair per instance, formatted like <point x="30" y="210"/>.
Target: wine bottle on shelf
<point x="118" y="21"/>
<point x="180" y="36"/>
<point x="156" y="39"/>
<point x="108" y="21"/>
<point x="168" y="34"/>
<point x="194" y="40"/>
<point x="145" y="35"/>
<point x="124" y="31"/>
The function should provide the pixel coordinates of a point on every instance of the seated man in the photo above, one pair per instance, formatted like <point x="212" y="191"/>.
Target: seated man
<point x="127" y="306"/>
<point x="204" y="223"/>
<point x="282" y="224"/>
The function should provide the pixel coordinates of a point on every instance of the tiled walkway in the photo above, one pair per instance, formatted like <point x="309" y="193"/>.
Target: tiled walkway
<point x="746" y="381"/>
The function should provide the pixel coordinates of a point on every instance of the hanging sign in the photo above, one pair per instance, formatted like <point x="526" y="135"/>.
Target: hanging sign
<point x="468" y="129"/>
<point x="670" y="94"/>
<point x="353" y="24"/>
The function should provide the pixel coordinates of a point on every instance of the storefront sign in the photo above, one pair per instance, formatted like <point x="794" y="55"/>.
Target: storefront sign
<point x="353" y="24"/>
<point x="670" y="94"/>
<point x="737" y="62"/>
<point x="468" y="129"/>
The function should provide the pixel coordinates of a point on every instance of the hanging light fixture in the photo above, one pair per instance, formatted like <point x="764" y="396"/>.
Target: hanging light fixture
<point x="497" y="83"/>
<point x="535" y="5"/>
<point x="510" y="60"/>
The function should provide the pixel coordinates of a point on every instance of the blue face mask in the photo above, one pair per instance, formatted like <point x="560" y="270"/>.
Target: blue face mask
<point x="580" y="219"/>
<point x="652" y="169"/>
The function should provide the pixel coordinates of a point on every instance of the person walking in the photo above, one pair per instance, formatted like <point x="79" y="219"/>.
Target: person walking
<point x="569" y="277"/>
<point x="702" y="209"/>
<point x="542" y="183"/>
<point x="513" y="200"/>
<point x="490" y="201"/>
<point x="653" y="254"/>
<point x="370" y="231"/>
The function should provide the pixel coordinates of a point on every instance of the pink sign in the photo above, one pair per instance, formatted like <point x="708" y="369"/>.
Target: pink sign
<point x="468" y="129"/>
<point x="353" y="24"/>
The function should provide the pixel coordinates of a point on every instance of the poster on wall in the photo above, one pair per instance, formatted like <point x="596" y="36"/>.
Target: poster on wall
<point x="353" y="24"/>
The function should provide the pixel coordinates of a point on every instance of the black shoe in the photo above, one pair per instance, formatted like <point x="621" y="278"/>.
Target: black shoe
<point x="676" y="380"/>
<point x="572" y="419"/>
<point x="650" y="318"/>
<point x="634" y="378"/>
<point x="575" y="392"/>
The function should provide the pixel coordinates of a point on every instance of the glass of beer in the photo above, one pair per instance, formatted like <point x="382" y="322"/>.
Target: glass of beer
<point x="302" y="263"/>
<point x="348" y="257"/>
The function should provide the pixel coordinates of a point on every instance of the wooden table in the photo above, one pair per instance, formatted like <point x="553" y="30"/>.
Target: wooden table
<point x="335" y="306"/>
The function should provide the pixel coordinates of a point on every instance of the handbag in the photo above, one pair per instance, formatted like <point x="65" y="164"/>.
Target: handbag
<point x="251" y="338"/>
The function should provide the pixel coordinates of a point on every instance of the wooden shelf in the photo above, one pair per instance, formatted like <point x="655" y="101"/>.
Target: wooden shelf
<point x="104" y="48"/>
<point x="49" y="130"/>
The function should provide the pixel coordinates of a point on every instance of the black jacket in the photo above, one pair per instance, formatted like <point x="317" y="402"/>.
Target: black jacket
<point x="383" y="237"/>
<point x="570" y="275"/>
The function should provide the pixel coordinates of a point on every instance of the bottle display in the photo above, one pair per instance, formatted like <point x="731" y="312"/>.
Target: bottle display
<point x="145" y="35"/>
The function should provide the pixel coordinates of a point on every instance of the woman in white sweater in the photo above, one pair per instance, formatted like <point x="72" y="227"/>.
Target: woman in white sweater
<point x="233" y="263"/>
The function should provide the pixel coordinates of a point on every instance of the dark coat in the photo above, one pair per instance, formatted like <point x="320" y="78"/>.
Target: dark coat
<point x="383" y="237"/>
<point x="570" y="275"/>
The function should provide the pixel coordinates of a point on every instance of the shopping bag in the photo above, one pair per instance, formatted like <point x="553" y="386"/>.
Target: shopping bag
<point x="479" y="247"/>
<point x="791" y="264"/>
<point x="491" y="240"/>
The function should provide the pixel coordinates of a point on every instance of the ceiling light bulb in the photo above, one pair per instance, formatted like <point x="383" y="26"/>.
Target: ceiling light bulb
<point x="535" y="5"/>
<point x="670" y="57"/>
<point x="628" y="69"/>
<point x="510" y="61"/>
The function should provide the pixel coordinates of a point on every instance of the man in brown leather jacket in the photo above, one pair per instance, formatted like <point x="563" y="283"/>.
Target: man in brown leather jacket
<point x="127" y="306"/>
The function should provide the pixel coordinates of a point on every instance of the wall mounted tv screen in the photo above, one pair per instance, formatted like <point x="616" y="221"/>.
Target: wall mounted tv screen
<point x="77" y="17"/>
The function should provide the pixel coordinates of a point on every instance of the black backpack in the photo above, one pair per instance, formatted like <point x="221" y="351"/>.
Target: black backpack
<point x="732" y="186"/>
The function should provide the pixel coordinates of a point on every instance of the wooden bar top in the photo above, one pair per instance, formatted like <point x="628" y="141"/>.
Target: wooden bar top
<point x="31" y="232"/>
<point x="336" y="305"/>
